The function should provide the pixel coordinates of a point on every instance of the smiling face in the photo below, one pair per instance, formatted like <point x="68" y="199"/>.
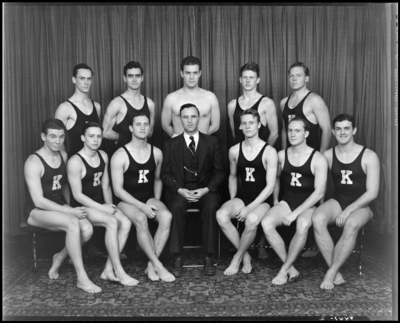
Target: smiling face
<point x="54" y="139"/>
<point x="190" y="120"/>
<point x="140" y="127"/>
<point x="344" y="131"/>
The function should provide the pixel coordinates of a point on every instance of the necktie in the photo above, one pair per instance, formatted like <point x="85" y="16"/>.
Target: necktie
<point x="192" y="145"/>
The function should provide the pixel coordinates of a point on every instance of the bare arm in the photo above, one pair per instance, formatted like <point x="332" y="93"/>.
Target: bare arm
<point x="372" y="169"/>
<point x="272" y="121"/>
<point x="166" y="115"/>
<point x="74" y="169"/>
<point x="110" y="119"/>
<point x="118" y="161"/>
<point x="320" y="166"/>
<point x="280" y="164"/>
<point x="231" y="111"/>
<point x="105" y="181"/>
<point x="284" y="133"/>
<point x="151" y="106"/>
<point x="33" y="169"/>
<point x="233" y="153"/>
<point x="62" y="113"/>
<point x="157" y="179"/>
<point x="215" y="114"/>
<point x="322" y="114"/>
<point x="270" y="161"/>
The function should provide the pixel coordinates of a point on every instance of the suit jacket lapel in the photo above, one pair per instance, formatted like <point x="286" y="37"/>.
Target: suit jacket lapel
<point x="202" y="150"/>
<point x="178" y="153"/>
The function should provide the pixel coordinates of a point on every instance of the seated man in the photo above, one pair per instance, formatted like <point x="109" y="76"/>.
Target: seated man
<point x="46" y="207"/>
<point x="355" y="173"/>
<point x="135" y="169"/>
<point x="192" y="170"/>
<point x="304" y="173"/>
<point x="256" y="163"/>
<point x="90" y="186"/>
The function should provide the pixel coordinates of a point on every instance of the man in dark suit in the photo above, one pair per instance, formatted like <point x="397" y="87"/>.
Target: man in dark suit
<point x="191" y="171"/>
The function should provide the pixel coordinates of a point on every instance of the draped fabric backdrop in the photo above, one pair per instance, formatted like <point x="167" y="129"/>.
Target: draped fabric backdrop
<point x="347" y="49"/>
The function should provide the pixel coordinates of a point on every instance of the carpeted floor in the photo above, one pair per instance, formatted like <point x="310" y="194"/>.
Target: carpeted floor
<point x="26" y="294"/>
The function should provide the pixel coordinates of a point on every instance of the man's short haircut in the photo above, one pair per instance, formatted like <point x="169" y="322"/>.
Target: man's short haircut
<point x="53" y="123"/>
<point x="250" y="67"/>
<point x="305" y="122"/>
<point x="300" y="64"/>
<point x="344" y="117"/>
<point x="82" y="66"/>
<point x="131" y="65"/>
<point x="254" y="113"/>
<point x="138" y="114"/>
<point x="90" y="124"/>
<point x="188" y="105"/>
<point x="190" y="60"/>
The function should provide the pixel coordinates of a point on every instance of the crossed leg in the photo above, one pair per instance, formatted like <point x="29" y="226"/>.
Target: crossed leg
<point x="335" y="256"/>
<point x="270" y="222"/>
<point x="77" y="232"/>
<point x="152" y="248"/>
<point x="114" y="246"/>
<point x="224" y="216"/>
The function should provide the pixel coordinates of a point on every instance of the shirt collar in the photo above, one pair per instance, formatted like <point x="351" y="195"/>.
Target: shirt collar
<point x="187" y="138"/>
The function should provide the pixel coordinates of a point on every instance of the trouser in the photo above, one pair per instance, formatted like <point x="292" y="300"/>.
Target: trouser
<point x="208" y="206"/>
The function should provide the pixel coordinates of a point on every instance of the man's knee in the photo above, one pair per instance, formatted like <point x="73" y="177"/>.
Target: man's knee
<point x="86" y="229"/>
<point x="140" y="221"/>
<point x="223" y="217"/>
<point x="267" y="224"/>
<point x="164" y="218"/>
<point x="351" y="226"/>
<point x="303" y="225"/>
<point x="124" y="222"/>
<point x="252" y="221"/>
<point x="319" y="220"/>
<point x="73" y="224"/>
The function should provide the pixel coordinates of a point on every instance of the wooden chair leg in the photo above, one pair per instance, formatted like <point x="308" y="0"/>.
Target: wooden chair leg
<point x="34" y="251"/>
<point x="361" y="234"/>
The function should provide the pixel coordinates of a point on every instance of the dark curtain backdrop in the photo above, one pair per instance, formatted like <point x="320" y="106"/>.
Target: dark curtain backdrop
<point x="346" y="48"/>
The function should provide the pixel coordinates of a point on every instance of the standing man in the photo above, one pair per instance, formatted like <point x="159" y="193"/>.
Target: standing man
<point x="256" y="163"/>
<point x="116" y="123"/>
<point x="136" y="180"/>
<point x="310" y="106"/>
<point x="304" y="173"/>
<point x="79" y="108"/>
<point x="46" y="207"/>
<point x="251" y="99"/>
<point x="89" y="181"/>
<point x="192" y="170"/>
<point x="205" y="101"/>
<point x="355" y="173"/>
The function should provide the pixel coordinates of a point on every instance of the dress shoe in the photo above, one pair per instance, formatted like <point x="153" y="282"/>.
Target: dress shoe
<point x="177" y="270"/>
<point x="209" y="269"/>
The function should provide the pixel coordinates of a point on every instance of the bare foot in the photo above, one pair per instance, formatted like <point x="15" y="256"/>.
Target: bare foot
<point x="262" y="253"/>
<point x="109" y="276"/>
<point x="281" y="278"/>
<point x="164" y="274"/>
<point x="293" y="274"/>
<point x="310" y="253"/>
<point x="151" y="272"/>
<point x="126" y="280"/>
<point x="339" y="279"/>
<point x="233" y="268"/>
<point x="88" y="286"/>
<point x="53" y="272"/>
<point x="327" y="283"/>
<point x="247" y="264"/>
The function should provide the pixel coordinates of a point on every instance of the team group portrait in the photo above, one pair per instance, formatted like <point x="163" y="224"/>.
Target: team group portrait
<point x="199" y="161"/>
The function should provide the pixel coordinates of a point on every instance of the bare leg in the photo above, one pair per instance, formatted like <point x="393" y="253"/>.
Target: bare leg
<point x="224" y="216"/>
<point x="71" y="225"/>
<point x="296" y="245"/>
<point x="145" y="240"/>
